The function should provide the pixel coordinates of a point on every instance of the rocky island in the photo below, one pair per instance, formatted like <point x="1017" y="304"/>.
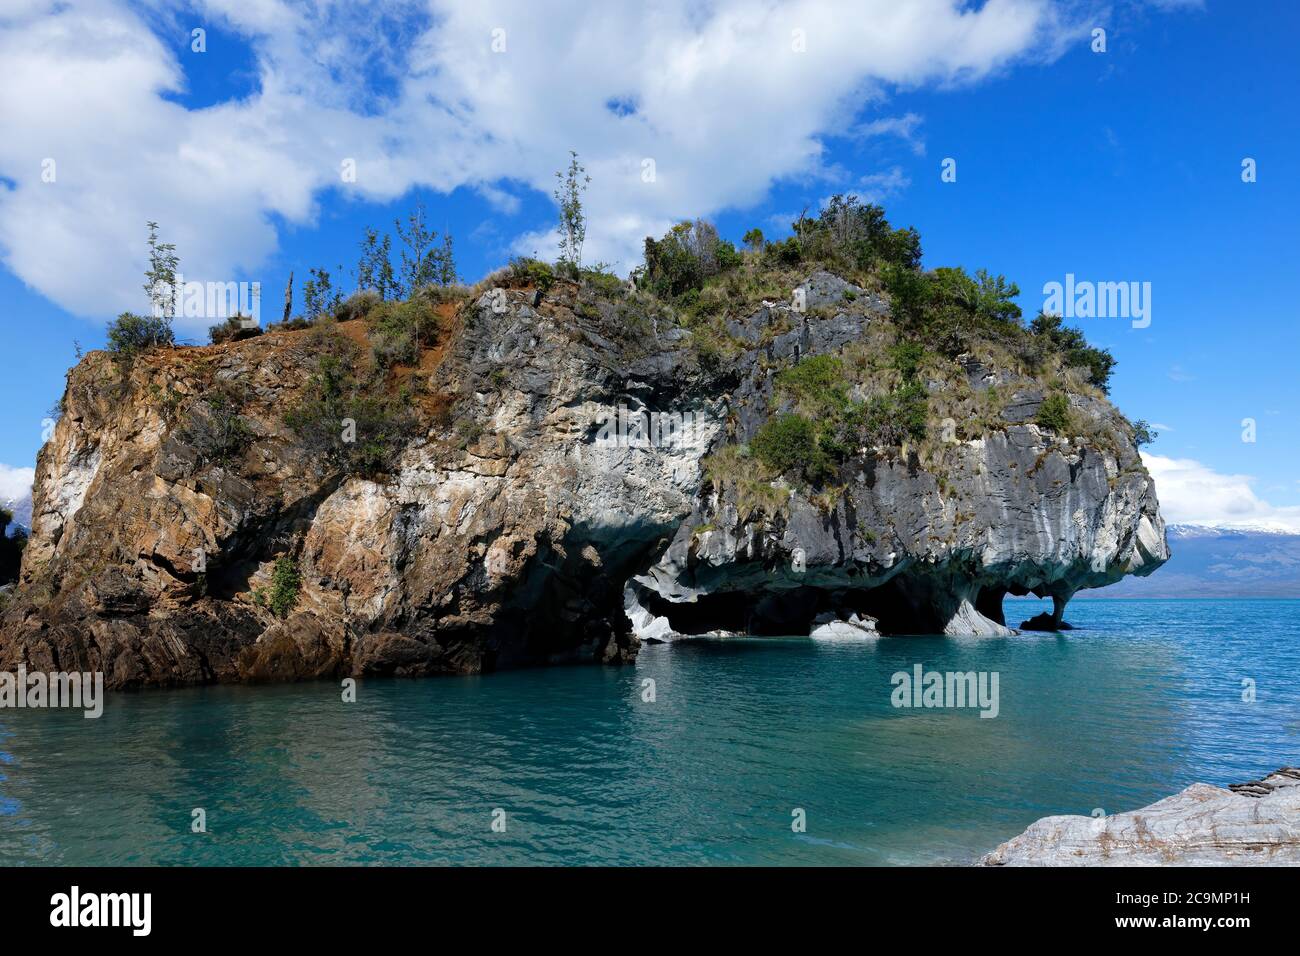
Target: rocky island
<point x="813" y="435"/>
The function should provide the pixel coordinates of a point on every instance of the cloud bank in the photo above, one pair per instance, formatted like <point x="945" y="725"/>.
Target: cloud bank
<point x="1192" y="493"/>
<point x="15" y="483"/>
<point x="725" y="99"/>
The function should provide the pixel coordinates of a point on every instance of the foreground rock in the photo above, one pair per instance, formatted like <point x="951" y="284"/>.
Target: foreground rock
<point x="552" y="501"/>
<point x="1256" y="823"/>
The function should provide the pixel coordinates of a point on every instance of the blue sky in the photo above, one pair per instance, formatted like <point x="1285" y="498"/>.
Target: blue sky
<point x="1123" y="165"/>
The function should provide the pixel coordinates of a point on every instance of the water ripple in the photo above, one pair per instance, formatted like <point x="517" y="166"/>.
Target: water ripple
<point x="1143" y="699"/>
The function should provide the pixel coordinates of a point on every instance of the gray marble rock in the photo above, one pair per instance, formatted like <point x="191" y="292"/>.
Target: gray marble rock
<point x="1253" y="824"/>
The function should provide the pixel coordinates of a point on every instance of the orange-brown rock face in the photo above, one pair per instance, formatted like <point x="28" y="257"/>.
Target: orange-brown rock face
<point x="498" y="534"/>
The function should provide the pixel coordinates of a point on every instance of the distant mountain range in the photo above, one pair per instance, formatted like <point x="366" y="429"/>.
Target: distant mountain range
<point x="1221" y="563"/>
<point x="22" y="511"/>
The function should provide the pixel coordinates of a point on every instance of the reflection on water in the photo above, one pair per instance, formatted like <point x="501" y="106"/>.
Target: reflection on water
<point x="1144" y="699"/>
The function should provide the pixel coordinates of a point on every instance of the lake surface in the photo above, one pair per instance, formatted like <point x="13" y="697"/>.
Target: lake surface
<point x="1142" y="700"/>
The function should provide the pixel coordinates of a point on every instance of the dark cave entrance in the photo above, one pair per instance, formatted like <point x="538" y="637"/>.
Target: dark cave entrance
<point x="990" y="601"/>
<point x="899" y="608"/>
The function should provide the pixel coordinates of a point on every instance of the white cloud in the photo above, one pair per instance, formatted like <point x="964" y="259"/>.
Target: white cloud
<point x="716" y="94"/>
<point x="1193" y="493"/>
<point x="904" y="127"/>
<point x="15" y="482"/>
<point x="876" y="187"/>
<point x="503" y="202"/>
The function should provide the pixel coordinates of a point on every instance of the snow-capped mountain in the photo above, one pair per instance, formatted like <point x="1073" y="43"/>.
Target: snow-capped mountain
<point x="1220" y="562"/>
<point x="1179" y="531"/>
<point x="22" y="510"/>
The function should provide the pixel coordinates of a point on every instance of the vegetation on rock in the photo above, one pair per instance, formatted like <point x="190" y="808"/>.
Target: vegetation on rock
<point x="894" y="389"/>
<point x="286" y="583"/>
<point x="1054" y="414"/>
<point x="350" y="424"/>
<point x="573" y="220"/>
<point x="425" y="261"/>
<point x="129" y="335"/>
<point x="401" y="330"/>
<point x="214" y="426"/>
<point x="1143" y="433"/>
<point x="890" y="391"/>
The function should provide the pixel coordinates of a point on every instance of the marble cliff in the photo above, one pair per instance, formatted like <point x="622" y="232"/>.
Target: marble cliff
<point x="555" y="476"/>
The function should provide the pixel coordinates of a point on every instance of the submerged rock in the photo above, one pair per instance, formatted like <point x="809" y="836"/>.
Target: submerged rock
<point x="1256" y="823"/>
<point x="1045" y="622"/>
<point x="572" y="481"/>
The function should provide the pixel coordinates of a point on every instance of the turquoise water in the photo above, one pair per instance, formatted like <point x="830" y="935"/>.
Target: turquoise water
<point x="1143" y="699"/>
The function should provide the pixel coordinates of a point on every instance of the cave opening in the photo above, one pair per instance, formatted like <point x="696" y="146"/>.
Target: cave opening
<point x="897" y="608"/>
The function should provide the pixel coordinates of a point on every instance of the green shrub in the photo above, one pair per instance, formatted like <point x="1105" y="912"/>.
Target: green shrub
<point x="435" y="295"/>
<point x="909" y="295"/>
<point x="358" y="305"/>
<point x="130" y="334"/>
<point x="985" y="299"/>
<point x="790" y="443"/>
<point x="356" y="435"/>
<point x="817" y="383"/>
<point x="850" y="235"/>
<point x="901" y="247"/>
<point x="728" y="256"/>
<point x="907" y="357"/>
<point x="890" y="420"/>
<point x="950" y="311"/>
<point x="1054" y="414"/>
<point x="343" y="423"/>
<point x="829" y="426"/>
<point x="787" y="252"/>
<point x="533" y="272"/>
<point x="1143" y="434"/>
<point x="295" y="324"/>
<point x="602" y="280"/>
<point x="1051" y="336"/>
<point x="400" y="330"/>
<point x="286" y="583"/>
<point x="688" y="254"/>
